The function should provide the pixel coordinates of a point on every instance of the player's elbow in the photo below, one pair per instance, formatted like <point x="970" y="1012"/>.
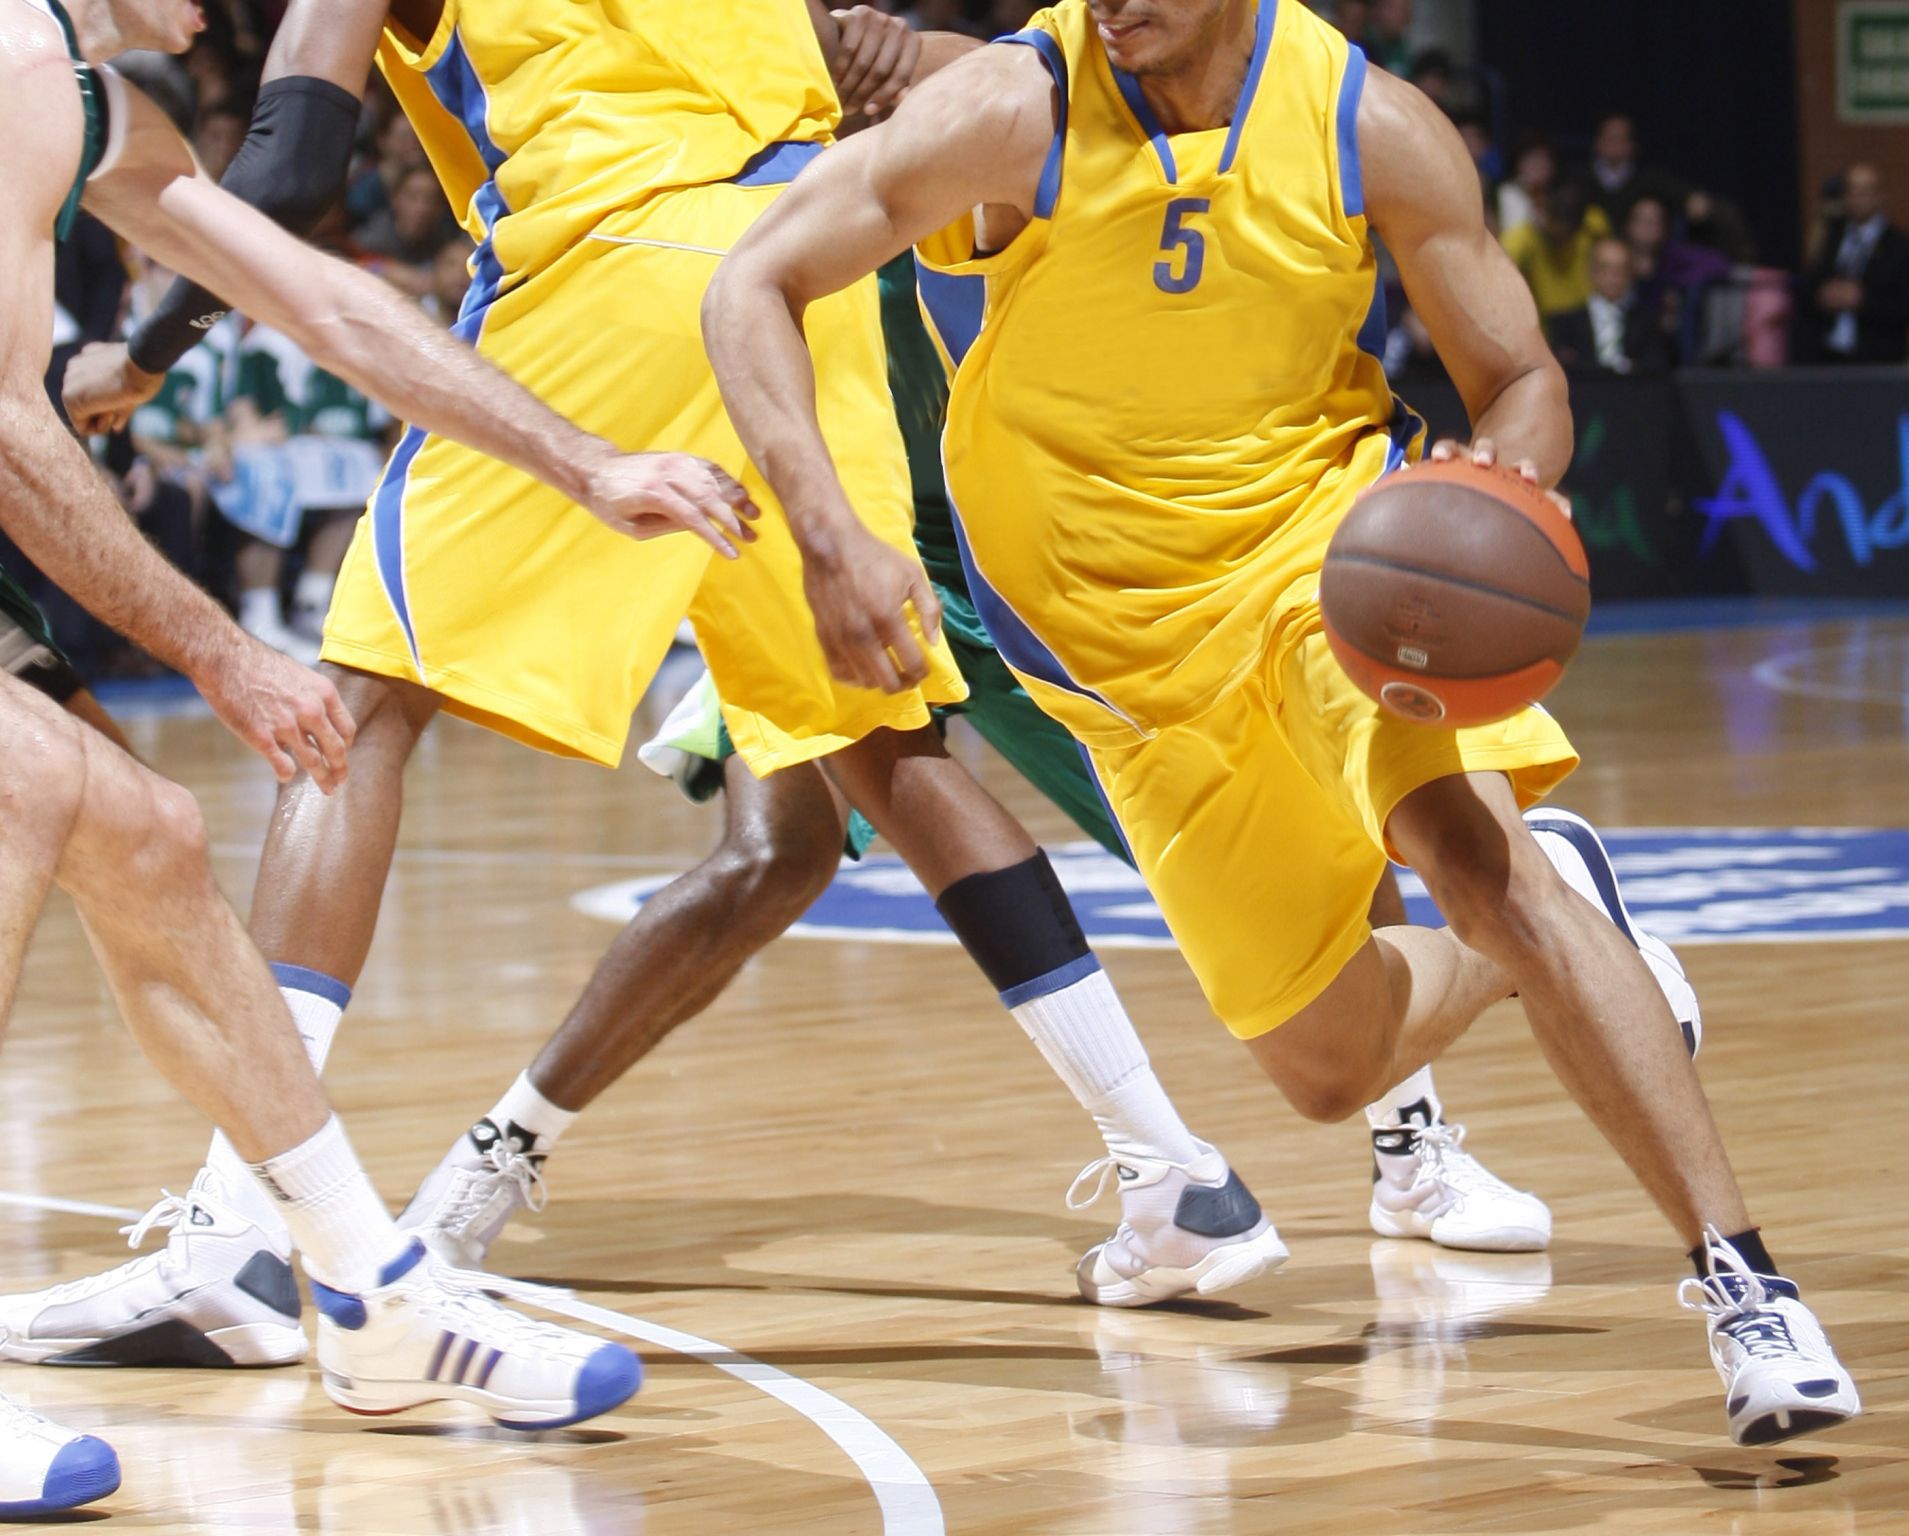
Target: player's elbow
<point x="743" y="293"/>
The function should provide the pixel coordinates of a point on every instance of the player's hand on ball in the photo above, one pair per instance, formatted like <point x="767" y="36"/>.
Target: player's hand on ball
<point x="875" y="61"/>
<point x="102" y="387"/>
<point x="647" y="495"/>
<point x="860" y="591"/>
<point x="288" y="714"/>
<point x="1484" y="453"/>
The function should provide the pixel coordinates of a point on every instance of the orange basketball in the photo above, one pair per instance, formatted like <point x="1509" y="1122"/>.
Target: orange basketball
<point x="1455" y="595"/>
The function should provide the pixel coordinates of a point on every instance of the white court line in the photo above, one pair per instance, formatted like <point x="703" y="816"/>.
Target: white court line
<point x="902" y="1491"/>
<point x="73" y="1207"/>
<point x="907" y="1499"/>
<point x="456" y="856"/>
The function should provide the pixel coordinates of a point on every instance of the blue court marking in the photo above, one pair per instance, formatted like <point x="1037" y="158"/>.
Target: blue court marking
<point x="1687" y="885"/>
<point x="1679" y="615"/>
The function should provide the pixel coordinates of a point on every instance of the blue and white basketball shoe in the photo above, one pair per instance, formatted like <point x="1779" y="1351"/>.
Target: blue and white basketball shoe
<point x="45" y="1469"/>
<point x="1578" y="853"/>
<point x="428" y="1333"/>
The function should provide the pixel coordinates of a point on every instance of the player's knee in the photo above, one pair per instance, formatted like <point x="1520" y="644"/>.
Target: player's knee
<point x="1325" y="1097"/>
<point x="175" y="853"/>
<point x="776" y="874"/>
<point x="42" y="777"/>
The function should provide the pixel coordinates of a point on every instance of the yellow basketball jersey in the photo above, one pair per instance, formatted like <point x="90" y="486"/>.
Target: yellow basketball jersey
<point x="1167" y="390"/>
<point x="542" y="117"/>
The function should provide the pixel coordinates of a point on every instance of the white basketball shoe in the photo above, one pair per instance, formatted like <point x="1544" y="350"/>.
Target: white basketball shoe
<point x="1781" y="1379"/>
<point x="1186" y="1229"/>
<point x="1577" y="853"/>
<point x="1425" y="1184"/>
<point x="487" y="1177"/>
<point x="220" y="1293"/>
<point x="428" y="1332"/>
<point x="45" y="1469"/>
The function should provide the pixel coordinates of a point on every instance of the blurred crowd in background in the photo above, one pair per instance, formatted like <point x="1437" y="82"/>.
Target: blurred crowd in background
<point x="251" y="465"/>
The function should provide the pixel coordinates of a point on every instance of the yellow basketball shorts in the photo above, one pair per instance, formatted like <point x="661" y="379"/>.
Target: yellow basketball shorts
<point x="1260" y="824"/>
<point x="528" y="615"/>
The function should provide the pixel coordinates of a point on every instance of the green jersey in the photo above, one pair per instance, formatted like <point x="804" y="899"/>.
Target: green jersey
<point x="919" y="383"/>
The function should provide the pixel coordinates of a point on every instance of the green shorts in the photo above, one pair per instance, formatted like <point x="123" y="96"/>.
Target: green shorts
<point x="693" y="745"/>
<point x="27" y="647"/>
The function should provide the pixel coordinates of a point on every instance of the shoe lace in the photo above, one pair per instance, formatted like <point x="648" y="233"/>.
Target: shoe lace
<point x="465" y="1300"/>
<point x="1101" y="1171"/>
<point x="474" y="1192"/>
<point x="17" y="1416"/>
<point x="167" y="1212"/>
<point x="1735" y="1299"/>
<point x="1447" y="1164"/>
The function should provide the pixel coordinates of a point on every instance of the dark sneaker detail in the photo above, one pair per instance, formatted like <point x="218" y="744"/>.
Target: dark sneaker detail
<point x="1589" y="849"/>
<point x="1690" y="1036"/>
<point x="1224" y="1212"/>
<point x="1401" y="1141"/>
<point x="1419" y="1112"/>
<point x="269" y="1279"/>
<point x="344" y="1309"/>
<point x="485" y="1135"/>
<point x="170" y="1344"/>
<point x="1821" y="1387"/>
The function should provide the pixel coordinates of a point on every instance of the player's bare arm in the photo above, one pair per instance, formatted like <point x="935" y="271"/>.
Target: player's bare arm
<point x="291" y="167"/>
<point x="974" y="136"/>
<point x="52" y="501"/>
<point x="1423" y="199"/>
<point x="356" y="327"/>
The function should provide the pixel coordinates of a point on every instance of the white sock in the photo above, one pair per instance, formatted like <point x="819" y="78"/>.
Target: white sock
<point x="336" y="1218"/>
<point x="526" y="1110"/>
<point x="258" y="609"/>
<point x="1087" y="1039"/>
<point x="311" y="593"/>
<point x="317" y="1004"/>
<point x="1408" y="1103"/>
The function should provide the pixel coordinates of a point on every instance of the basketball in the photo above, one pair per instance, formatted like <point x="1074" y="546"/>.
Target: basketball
<point x="1455" y="595"/>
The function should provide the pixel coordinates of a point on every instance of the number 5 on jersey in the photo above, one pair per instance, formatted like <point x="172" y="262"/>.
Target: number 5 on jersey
<point x="1183" y="245"/>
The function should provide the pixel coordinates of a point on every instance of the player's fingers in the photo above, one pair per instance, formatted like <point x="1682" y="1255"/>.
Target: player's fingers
<point x="901" y="646"/>
<point x="710" y="534"/>
<point x="893" y="65"/>
<point x="1484" y="453"/>
<point x="1563" y="503"/>
<point x="860" y="48"/>
<point x="308" y="756"/>
<point x="927" y="609"/>
<point x="1445" y="450"/>
<point x="283" y="767"/>
<point x="315" y="723"/>
<point x="340" y="716"/>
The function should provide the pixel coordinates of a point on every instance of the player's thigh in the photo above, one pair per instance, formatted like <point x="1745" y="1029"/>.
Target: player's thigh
<point x="42" y="775"/>
<point x="1262" y="877"/>
<point x="1368" y="761"/>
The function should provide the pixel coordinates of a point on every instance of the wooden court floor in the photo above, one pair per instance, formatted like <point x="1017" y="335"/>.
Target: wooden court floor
<point x="842" y="1189"/>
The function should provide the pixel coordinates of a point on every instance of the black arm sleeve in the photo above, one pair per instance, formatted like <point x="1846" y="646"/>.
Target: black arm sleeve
<point x="291" y="168"/>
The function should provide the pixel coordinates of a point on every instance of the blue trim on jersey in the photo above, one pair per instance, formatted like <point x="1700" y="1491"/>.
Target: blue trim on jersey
<point x="1351" y="176"/>
<point x="459" y="91"/>
<point x="387" y="534"/>
<point x="1372" y="334"/>
<point x="297" y="978"/>
<point x="1262" y="46"/>
<point x="1049" y="48"/>
<point x="1149" y="124"/>
<point x="1113" y="817"/>
<point x="1056" y="980"/>
<point x="956" y="304"/>
<point x="778" y="164"/>
<point x="1020" y="647"/>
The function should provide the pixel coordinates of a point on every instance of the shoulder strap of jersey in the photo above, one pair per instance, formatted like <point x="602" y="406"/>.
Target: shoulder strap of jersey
<point x="93" y="99"/>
